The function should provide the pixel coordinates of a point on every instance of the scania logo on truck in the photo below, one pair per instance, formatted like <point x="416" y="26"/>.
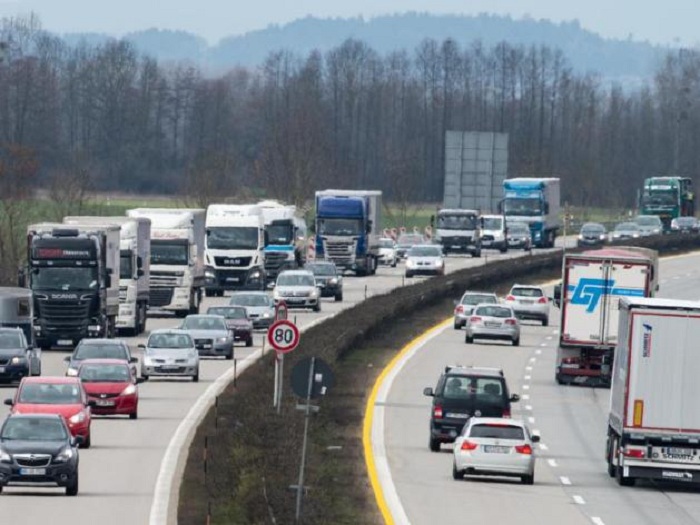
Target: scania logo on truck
<point x="64" y="296"/>
<point x="588" y="292"/>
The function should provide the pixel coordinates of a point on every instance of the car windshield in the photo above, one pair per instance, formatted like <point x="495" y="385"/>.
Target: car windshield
<point x="522" y="207"/>
<point x="456" y="222"/>
<point x="10" y="341"/>
<point x="410" y="240"/>
<point x="686" y="221"/>
<point x="64" y="279"/>
<point x="170" y="341"/>
<point x="386" y="243"/>
<point x="203" y="323"/>
<point x="478" y="299"/>
<point x="102" y="373"/>
<point x="494" y="311"/>
<point x="340" y="227"/>
<point x="228" y="238"/>
<point x="461" y="387"/>
<point x="627" y="227"/>
<point x="126" y="270"/>
<point x="321" y="269"/>
<point x="518" y="227"/>
<point x="250" y="300"/>
<point x="100" y="351"/>
<point x="527" y="292"/>
<point x="648" y="221"/>
<point x="496" y="431"/>
<point x="661" y="198"/>
<point x="280" y="234"/>
<point x="593" y="228"/>
<point x="50" y="393"/>
<point x="229" y="312"/>
<point x="173" y="253"/>
<point x="493" y="223"/>
<point x="295" y="280"/>
<point x="425" y="251"/>
<point x="33" y="429"/>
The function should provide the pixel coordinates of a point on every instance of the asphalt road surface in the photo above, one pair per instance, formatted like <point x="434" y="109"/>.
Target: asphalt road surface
<point x="571" y="482"/>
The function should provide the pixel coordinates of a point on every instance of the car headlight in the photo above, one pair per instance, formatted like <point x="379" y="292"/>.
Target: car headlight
<point x="222" y="339"/>
<point x="78" y="418"/>
<point x="129" y="390"/>
<point x="94" y="328"/>
<point x="65" y="455"/>
<point x="18" y="360"/>
<point x="635" y="235"/>
<point x="254" y="274"/>
<point x="333" y="281"/>
<point x="580" y="237"/>
<point x="5" y="457"/>
<point x="266" y="315"/>
<point x="147" y="361"/>
<point x="439" y="262"/>
<point x="602" y="237"/>
<point x="72" y="372"/>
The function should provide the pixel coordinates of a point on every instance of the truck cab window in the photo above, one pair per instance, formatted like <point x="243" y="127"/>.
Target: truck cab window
<point x="340" y="227"/>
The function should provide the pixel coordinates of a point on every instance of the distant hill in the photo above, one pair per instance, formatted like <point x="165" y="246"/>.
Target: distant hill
<point x="586" y="51"/>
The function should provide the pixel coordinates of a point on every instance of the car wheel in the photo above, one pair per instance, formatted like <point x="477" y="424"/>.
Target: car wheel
<point x="195" y="378"/>
<point x="457" y="326"/>
<point x="393" y="265"/>
<point x="456" y="474"/>
<point x="504" y="249"/>
<point x="1" y="487"/>
<point x="317" y="308"/>
<point x="338" y="297"/>
<point x="134" y="415"/>
<point x="469" y="339"/>
<point x="409" y="275"/>
<point x="516" y="341"/>
<point x="528" y="480"/>
<point x="545" y="321"/>
<point x="248" y="343"/>
<point x="144" y="377"/>
<point x="476" y="254"/>
<point x="72" y="487"/>
<point x="434" y="445"/>
<point x="88" y="442"/>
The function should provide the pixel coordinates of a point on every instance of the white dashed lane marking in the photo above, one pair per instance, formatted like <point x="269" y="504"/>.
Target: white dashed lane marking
<point x="552" y="463"/>
<point x="597" y="521"/>
<point x="564" y="480"/>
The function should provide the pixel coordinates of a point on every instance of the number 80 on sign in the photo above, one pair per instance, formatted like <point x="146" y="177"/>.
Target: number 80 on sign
<point x="283" y="336"/>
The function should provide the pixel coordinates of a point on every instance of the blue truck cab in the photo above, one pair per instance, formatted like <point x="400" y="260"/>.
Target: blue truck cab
<point x="534" y="201"/>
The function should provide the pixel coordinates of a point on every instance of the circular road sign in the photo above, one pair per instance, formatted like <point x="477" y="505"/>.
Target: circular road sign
<point x="283" y="336"/>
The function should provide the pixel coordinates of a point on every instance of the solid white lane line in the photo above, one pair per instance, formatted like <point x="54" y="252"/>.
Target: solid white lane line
<point x="564" y="480"/>
<point x="597" y="521"/>
<point x="528" y="407"/>
<point x="578" y="500"/>
<point x="552" y="463"/>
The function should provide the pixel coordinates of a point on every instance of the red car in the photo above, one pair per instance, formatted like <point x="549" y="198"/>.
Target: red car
<point x="64" y="396"/>
<point x="111" y="385"/>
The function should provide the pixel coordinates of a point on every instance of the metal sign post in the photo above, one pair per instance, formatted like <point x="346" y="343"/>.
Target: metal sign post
<point x="284" y="337"/>
<point x="307" y="415"/>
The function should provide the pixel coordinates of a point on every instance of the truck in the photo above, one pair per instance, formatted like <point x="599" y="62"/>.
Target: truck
<point x="177" y="258"/>
<point x="593" y="282"/>
<point x="654" y="419"/>
<point x="235" y="244"/>
<point x="348" y="229"/>
<point x="134" y="268"/>
<point x="72" y="272"/>
<point x="285" y="232"/>
<point x="534" y="201"/>
<point x="458" y="231"/>
<point x="668" y="198"/>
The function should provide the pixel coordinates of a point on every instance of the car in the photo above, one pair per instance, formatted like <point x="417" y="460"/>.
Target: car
<point x="529" y="302"/>
<point x="407" y="241"/>
<point x="100" y="349"/>
<point x="519" y="236"/>
<point x="626" y="230"/>
<point x="425" y="259"/>
<point x="64" y="396"/>
<point x="495" y="447"/>
<point x="260" y="307"/>
<point x="38" y="449"/>
<point x="494" y="233"/>
<point x="111" y="385"/>
<point x="327" y="278"/>
<point x="463" y="392"/>
<point x="591" y="234"/>
<point x="297" y="288"/>
<point x="388" y="253"/>
<point x="169" y="353"/>
<point x="237" y="321"/>
<point x="649" y="225"/>
<point x="464" y="307"/>
<point x="685" y="225"/>
<point x="17" y="358"/>
<point x="493" y="321"/>
<point x="210" y="334"/>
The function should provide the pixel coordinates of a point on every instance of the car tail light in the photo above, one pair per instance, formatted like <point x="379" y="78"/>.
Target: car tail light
<point x="511" y="321"/>
<point x="506" y="413"/>
<point x="437" y="412"/>
<point x="459" y="309"/>
<point x="542" y="300"/>
<point x="475" y="319"/>
<point x="468" y="445"/>
<point x="634" y="452"/>
<point x="510" y="298"/>
<point x="524" y="449"/>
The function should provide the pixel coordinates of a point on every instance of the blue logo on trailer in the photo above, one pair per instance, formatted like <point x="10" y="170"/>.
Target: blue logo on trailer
<point x="588" y="292"/>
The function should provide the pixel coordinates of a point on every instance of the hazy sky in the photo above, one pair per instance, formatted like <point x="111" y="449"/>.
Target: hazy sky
<point x="657" y="21"/>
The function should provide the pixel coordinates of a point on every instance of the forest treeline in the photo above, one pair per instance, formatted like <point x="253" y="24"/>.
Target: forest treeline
<point x="106" y="116"/>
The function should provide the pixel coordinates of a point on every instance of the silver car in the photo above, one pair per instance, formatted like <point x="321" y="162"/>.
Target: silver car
<point x="493" y="321"/>
<point x="169" y="353"/>
<point x="260" y="307"/>
<point x="626" y="230"/>
<point x="425" y="259"/>
<point x="297" y="288"/>
<point x="519" y="236"/>
<point x="649" y="225"/>
<point x="210" y="334"/>
<point x="529" y="302"/>
<point x="495" y="447"/>
<point x="465" y="306"/>
<point x="388" y="254"/>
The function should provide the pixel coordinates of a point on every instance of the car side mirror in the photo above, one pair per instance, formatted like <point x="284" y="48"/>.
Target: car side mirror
<point x="139" y="273"/>
<point x="22" y="278"/>
<point x="535" y="438"/>
<point x="142" y="346"/>
<point x="67" y="359"/>
<point x="9" y="402"/>
<point x="428" y="391"/>
<point x="77" y="441"/>
<point x="91" y="404"/>
<point x="134" y="360"/>
<point x="514" y="398"/>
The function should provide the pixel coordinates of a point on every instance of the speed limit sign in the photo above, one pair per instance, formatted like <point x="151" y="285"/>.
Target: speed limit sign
<point x="283" y="336"/>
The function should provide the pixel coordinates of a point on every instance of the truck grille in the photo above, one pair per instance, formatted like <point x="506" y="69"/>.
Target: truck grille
<point x="200" y="343"/>
<point x="122" y="294"/>
<point x="33" y="460"/>
<point x="64" y="313"/>
<point x="235" y="262"/>
<point x="164" y="279"/>
<point x="274" y="261"/>
<point x="339" y="251"/>
<point x="160" y="297"/>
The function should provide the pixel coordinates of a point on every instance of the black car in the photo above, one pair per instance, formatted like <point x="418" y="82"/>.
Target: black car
<point x="99" y="349"/>
<point x="327" y="278"/>
<point x="685" y="225"/>
<point x="38" y="448"/>
<point x="17" y="358"/>
<point x="592" y="234"/>
<point x="463" y="392"/>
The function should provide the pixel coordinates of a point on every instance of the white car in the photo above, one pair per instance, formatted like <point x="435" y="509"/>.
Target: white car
<point x="297" y="288"/>
<point x="170" y="353"/>
<point x="493" y="233"/>
<point x="495" y="447"/>
<point x="425" y="259"/>
<point x="529" y="302"/>
<point x="493" y="321"/>
<point x="387" y="252"/>
<point x="465" y="306"/>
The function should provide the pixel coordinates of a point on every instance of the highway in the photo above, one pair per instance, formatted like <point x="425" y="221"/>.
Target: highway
<point x="571" y="482"/>
<point x="119" y="472"/>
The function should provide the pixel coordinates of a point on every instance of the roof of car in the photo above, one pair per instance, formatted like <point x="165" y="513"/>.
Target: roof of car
<point x="296" y="272"/>
<point x="170" y="331"/>
<point x="252" y="292"/>
<point x="209" y="316"/>
<point x="103" y="341"/>
<point x="531" y="286"/>
<point x="497" y="421"/>
<point x="472" y="292"/>
<point x="479" y="370"/>
<point x="13" y="329"/>
<point x="18" y="415"/>
<point x="53" y="380"/>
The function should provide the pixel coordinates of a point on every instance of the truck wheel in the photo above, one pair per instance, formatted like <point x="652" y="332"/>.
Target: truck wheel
<point x="611" y="465"/>
<point x="622" y="480"/>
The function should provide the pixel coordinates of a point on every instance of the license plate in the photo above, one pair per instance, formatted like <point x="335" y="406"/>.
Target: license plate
<point x="206" y="347"/>
<point x="232" y="279"/>
<point x="672" y="451"/>
<point x="104" y="403"/>
<point x="169" y="367"/>
<point x="32" y="471"/>
<point x="494" y="449"/>
<point x="294" y="301"/>
<point x="456" y="246"/>
<point x="453" y="415"/>
<point x="527" y="301"/>
<point x="492" y="325"/>
<point x="64" y="342"/>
